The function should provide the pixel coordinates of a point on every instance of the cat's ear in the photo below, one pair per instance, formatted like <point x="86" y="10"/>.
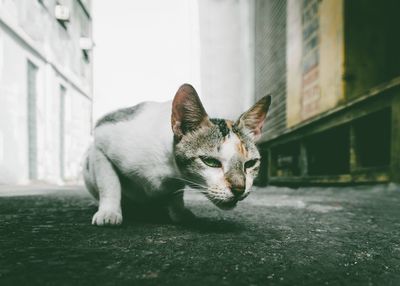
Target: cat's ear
<point x="254" y="118"/>
<point x="188" y="112"/>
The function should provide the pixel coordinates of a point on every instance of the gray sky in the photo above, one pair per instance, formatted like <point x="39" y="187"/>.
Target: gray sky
<point x="145" y="49"/>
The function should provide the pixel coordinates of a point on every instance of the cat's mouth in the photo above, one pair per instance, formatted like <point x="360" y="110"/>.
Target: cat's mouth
<point x="228" y="205"/>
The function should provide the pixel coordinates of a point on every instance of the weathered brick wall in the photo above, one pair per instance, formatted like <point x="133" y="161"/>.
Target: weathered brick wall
<point x="270" y="60"/>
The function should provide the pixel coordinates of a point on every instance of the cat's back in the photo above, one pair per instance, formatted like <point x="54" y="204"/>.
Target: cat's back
<point x="148" y="110"/>
<point x="122" y="114"/>
<point x="144" y="125"/>
<point x="139" y="142"/>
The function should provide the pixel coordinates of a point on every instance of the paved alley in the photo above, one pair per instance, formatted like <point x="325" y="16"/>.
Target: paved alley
<point x="278" y="236"/>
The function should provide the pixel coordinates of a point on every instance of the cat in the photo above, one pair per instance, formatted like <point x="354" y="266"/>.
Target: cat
<point x="152" y="151"/>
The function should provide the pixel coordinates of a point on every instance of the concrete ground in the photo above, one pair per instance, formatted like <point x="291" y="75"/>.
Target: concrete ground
<point x="278" y="236"/>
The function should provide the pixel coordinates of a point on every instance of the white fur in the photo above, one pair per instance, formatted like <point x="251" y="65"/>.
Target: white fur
<point x="141" y="149"/>
<point x="229" y="149"/>
<point x="143" y="145"/>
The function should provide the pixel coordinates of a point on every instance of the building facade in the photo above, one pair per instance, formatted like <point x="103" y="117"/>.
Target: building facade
<point x="45" y="89"/>
<point x="334" y="77"/>
<point x="270" y="60"/>
<point x="341" y="73"/>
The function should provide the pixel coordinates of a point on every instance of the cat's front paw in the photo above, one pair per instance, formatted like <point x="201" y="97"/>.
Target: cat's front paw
<point x="181" y="215"/>
<point x="107" y="217"/>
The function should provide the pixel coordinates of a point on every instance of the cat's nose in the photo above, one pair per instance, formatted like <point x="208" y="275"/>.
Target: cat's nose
<point x="238" y="190"/>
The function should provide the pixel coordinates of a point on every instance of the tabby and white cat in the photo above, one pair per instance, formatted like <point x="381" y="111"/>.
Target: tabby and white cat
<point x="149" y="153"/>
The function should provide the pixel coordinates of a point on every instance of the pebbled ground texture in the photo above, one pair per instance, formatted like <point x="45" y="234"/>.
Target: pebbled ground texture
<point x="277" y="236"/>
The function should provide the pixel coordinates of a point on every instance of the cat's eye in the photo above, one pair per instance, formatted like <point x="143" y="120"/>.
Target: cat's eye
<point x="251" y="163"/>
<point x="211" y="162"/>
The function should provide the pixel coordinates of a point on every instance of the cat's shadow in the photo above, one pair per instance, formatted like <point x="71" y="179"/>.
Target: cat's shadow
<point x="214" y="225"/>
<point x="198" y="224"/>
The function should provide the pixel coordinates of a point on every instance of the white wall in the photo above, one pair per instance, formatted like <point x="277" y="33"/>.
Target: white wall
<point x="144" y="51"/>
<point x="227" y="55"/>
<point x="154" y="46"/>
<point x="13" y="128"/>
<point x="18" y="44"/>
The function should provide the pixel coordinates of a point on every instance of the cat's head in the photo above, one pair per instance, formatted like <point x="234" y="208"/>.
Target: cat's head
<point x="218" y="156"/>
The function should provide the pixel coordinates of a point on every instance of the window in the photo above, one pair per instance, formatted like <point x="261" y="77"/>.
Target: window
<point x="62" y="14"/>
<point x="32" y="120"/>
<point x="63" y="92"/>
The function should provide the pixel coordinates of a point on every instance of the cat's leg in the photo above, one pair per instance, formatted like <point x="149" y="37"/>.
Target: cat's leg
<point x="177" y="211"/>
<point x="88" y="173"/>
<point x="109" y="191"/>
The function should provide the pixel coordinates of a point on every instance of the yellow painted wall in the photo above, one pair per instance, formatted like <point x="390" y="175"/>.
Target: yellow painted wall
<point x="293" y="62"/>
<point x="331" y="53"/>
<point x="311" y="91"/>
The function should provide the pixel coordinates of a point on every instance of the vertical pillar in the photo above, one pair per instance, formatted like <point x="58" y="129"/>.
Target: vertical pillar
<point x="263" y="174"/>
<point x="395" y="138"/>
<point x="271" y="166"/>
<point x="32" y="120"/>
<point x="353" y="150"/>
<point x="303" y="160"/>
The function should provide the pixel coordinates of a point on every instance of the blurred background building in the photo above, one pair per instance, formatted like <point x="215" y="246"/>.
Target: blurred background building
<point x="145" y="49"/>
<point x="45" y="89"/>
<point x="331" y="66"/>
<point x="333" y="69"/>
<point x="226" y="56"/>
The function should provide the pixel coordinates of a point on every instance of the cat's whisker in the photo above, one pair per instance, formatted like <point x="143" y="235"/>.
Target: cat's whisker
<point x="199" y="191"/>
<point x="178" y="191"/>
<point x="202" y="191"/>
<point x="190" y="182"/>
